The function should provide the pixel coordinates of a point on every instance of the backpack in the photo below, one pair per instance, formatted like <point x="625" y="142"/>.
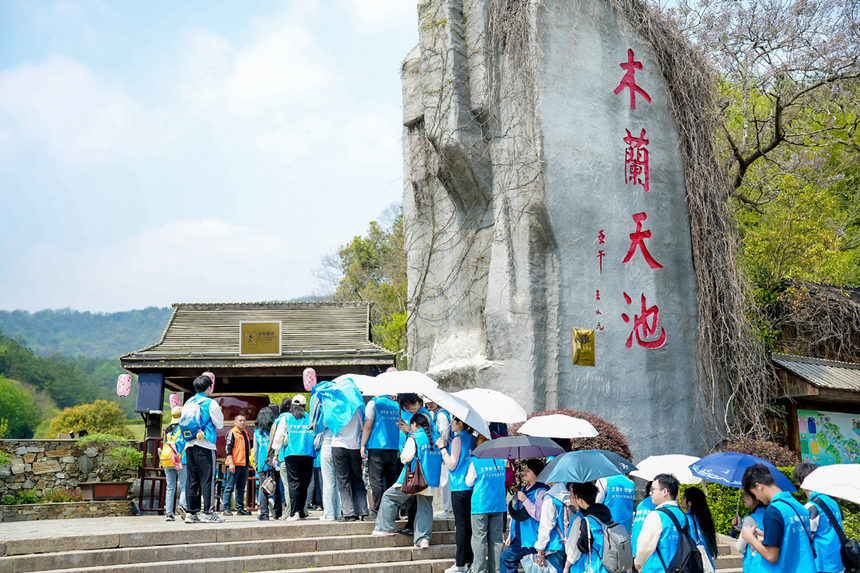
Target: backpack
<point x="191" y="421"/>
<point x="687" y="558"/>
<point x="617" y="551"/>
<point x="169" y="456"/>
<point x="850" y="551"/>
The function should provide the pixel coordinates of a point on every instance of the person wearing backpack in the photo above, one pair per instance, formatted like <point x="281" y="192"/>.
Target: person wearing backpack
<point x="199" y="424"/>
<point x="584" y="543"/>
<point x="786" y="542"/>
<point x="525" y="513"/>
<point x="660" y="540"/>
<point x="170" y="452"/>
<point x="695" y="504"/>
<point x="826" y="539"/>
<point x="550" y="542"/>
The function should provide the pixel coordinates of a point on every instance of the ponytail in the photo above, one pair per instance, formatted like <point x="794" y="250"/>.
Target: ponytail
<point x="423" y="422"/>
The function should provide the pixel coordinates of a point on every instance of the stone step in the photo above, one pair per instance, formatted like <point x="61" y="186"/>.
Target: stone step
<point x="223" y="550"/>
<point x="418" y="566"/>
<point x="178" y="533"/>
<point x="279" y="562"/>
<point x="728" y="561"/>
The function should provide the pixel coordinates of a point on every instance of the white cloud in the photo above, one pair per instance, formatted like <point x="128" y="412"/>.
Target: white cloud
<point x="374" y="16"/>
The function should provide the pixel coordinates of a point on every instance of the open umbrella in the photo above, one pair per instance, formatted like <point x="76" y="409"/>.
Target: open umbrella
<point x="457" y="407"/>
<point x="727" y="468"/>
<point x="558" y="426"/>
<point x="838" y="480"/>
<point x="400" y="382"/>
<point x="676" y="464"/>
<point x="493" y="406"/>
<point x="366" y="384"/>
<point x="517" y="447"/>
<point x="580" y="467"/>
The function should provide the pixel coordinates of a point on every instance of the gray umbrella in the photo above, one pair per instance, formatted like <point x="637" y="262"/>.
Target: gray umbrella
<point x="517" y="447"/>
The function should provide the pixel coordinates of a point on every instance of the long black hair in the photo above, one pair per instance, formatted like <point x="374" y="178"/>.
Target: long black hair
<point x="422" y="420"/>
<point x="264" y="420"/>
<point x="699" y="508"/>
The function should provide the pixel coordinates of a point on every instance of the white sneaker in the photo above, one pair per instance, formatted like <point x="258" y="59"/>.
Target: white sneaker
<point x="324" y="518"/>
<point x="423" y="544"/>
<point x="380" y="533"/>
<point x="211" y="518"/>
<point x="444" y="515"/>
<point x="293" y="517"/>
<point x="456" y="569"/>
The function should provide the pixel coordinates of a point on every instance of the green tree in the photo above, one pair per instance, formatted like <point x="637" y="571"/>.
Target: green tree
<point x="18" y="408"/>
<point x="100" y="417"/>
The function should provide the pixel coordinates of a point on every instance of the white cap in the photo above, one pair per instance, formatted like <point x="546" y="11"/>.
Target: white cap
<point x="299" y="399"/>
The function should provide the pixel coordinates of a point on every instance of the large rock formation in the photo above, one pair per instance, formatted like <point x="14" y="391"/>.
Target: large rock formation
<point x="545" y="192"/>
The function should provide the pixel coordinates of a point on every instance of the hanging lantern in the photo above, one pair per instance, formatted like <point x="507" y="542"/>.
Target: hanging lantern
<point x="175" y="400"/>
<point x="391" y="369"/>
<point x="123" y="385"/>
<point x="309" y="378"/>
<point x="210" y="375"/>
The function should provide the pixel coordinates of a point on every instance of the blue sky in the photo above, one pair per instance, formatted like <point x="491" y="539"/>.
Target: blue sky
<point x="165" y="152"/>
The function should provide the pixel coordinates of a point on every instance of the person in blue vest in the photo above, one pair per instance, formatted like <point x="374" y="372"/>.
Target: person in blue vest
<point x="298" y="450"/>
<point x="525" y="518"/>
<point x="263" y="467"/>
<point x="200" y="421"/>
<point x="410" y="404"/>
<point x="279" y="453"/>
<point x="616" y="493"/>
<point x="695" y="504"/>
<point x="419" y="446"/>
<point x="825" y="540"/>
<point x="379" y="446"/>
<point x="584" y="543"/>
<point x="486" y="477"/>
<point x="457" y="464"/>
<point x="442" y="429"/>
<point x="645" y="507"/>
<point x="785" y="544"/>
<point x="658" y="539"/>
<point x="752" y="559"/>
<point x="550" y="542"/>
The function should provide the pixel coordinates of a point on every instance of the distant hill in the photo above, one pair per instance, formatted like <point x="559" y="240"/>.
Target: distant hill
<point x="85" y="334"/>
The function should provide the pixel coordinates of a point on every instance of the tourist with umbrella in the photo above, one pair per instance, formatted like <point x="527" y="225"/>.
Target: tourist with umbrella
<point x="695" y="504"/>
<point x="786" y="543"/>
<point x="457" y="464"/>
<point x="752" y="558"/>
<point x="825" y="521"/>
<point x="525" y="512"/>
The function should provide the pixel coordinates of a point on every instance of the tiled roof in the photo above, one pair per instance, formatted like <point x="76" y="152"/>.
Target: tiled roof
<point x="828" y="374"/>
<point x="322" y="332"/>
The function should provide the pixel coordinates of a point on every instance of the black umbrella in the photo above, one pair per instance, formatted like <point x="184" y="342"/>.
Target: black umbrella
<point x="517" y="447"/>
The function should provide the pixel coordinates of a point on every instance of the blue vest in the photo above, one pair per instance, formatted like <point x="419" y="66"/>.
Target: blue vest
<point x="527" y="531"/>
<point x="645" y="507"/>
<point x="752" y="558"/>
<point x="698" y="536"/>
<point x="488" y="493"/>
<point x="278" y="421"/>
<point x="457" y="476"/>
<point x="210" y="432"/>
<point x="828" y="547"/>
<point x="384" y="433"/>
<point x="795" y="551"/>
<point x="430" y="457"/>
<point x="261" y="439"/>
<point x="590" y="563"/>
<point x="668" y="544"/>
<point x="619" y="500"/>
<point x="556" y="541"/>
<point x="300" y="435"/>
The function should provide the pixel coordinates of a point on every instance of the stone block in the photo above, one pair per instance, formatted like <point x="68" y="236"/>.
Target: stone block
<point x="50" y="544"/>
<point x="47" y="466"/>
<point x="17" y="468"/>
<point x="29" y="458"/>
<point x="68" y="459"/>
<point x="35" y="449"/>
<point x="58" y="453"/>
<point x="61" y="475"/>
<point x="91" y="452"/>
<point x="21" y="451"/>
<point x="5" y="470"/>
<point x="85" y="465"/>
<point x="28" y="484"/>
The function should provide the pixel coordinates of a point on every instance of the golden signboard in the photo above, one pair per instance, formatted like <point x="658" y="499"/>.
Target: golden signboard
<point x="259" y="339"/>
<point x="583" y="347"/>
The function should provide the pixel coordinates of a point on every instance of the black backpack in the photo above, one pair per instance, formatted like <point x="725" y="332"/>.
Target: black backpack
<point x="850" y="548"/>
<point x="687" y="558"/>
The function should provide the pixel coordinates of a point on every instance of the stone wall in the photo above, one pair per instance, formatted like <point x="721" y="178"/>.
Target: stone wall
<point x="39" y="511"/>
<point x="41" y="465"/>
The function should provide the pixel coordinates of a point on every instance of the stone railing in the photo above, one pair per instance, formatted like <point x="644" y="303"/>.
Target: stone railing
<point x="40" y="465"/>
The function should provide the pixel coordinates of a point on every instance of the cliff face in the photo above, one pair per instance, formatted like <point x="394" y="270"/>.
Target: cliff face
<point x="545" y="215"/>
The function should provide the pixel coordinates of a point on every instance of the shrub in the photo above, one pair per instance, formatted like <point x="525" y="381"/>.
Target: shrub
<point x="5" y="459"/>
<point x="61" y="495"/>
<point x="101" y="441"/>
<point x="609" y="437"/>
<point x="19" y="497"/>
<point x="99" y="417"/>
<point x="779" y="456"/>
<point x="121" y="463"/>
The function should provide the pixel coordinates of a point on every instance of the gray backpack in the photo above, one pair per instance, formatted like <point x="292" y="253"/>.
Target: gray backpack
<point x="617" y="551"/>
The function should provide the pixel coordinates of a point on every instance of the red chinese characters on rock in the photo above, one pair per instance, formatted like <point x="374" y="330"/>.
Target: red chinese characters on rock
<point x="636" y="161"/>
<point x="644" y="326"/>
<point x="629" y="79"/>
<point x="637" y="241"/>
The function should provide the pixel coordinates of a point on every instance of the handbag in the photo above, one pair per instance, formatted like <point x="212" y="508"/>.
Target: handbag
<point x="414" y="481"/>
<point x="268" y="485"/>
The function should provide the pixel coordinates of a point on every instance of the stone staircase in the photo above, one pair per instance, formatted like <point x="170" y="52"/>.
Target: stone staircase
<point x="231" y="547"/>
<point x="728" y="559"/>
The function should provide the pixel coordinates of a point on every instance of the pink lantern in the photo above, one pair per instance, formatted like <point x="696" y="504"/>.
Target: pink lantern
<point x="391" y="369"/>
<point x="123" y="385"/>
<point x="309" y="378"/>
<point x="210" y="375"/>
<point x="175" y="400"/>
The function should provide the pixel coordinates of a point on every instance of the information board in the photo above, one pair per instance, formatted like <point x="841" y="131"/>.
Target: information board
<point x="829" y="437"/>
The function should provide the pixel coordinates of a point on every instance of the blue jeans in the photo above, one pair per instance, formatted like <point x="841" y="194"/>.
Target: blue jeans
<point x="170" y="495"/>
<point x="487" y="529"/>
<point x="392" y="499"/>
<point x="235" y="480"/>
<point x="331" y="496"/>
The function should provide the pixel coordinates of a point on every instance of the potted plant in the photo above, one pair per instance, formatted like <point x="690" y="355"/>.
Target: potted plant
<point x="118" y="464"/>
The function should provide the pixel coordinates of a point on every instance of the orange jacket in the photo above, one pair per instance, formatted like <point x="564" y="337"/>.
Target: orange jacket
<point x="238" y="445"/>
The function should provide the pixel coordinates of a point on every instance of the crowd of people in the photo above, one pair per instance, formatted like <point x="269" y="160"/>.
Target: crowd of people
<point x="361" y="464"/>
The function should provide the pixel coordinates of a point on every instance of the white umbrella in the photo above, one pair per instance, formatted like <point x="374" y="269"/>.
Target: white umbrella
<point x="459" y="408"/>
<point x="400" y="382"/>
<point x="365" y="383"/>
<point x="837" y="480"/>
<point x="558" y="426"/>
<point x="493" y="406"/>
<point x="676" y="464"/>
